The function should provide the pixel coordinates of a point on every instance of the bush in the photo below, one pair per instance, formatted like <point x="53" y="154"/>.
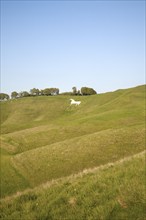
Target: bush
<point x="88" y="91"/>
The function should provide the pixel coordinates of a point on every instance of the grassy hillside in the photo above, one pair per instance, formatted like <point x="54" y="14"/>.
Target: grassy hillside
<point x="110" y="192"/>
<point x="71" y="156"/>
<point x="126" y="106"/>
<point x="44" y="138"/>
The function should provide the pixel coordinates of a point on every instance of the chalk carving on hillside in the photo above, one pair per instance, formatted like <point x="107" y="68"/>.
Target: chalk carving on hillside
<point x="73" y="102"/>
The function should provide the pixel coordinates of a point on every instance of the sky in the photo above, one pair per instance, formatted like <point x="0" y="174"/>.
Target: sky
<point x="98" y="44"/>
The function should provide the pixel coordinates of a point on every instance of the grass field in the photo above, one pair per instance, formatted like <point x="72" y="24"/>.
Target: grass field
<point x="44" y="139"/>
<point x="112" y="192"/>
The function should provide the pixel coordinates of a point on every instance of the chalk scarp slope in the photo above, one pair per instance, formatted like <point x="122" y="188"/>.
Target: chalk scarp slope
<point x="68" y="157"/>
<point x="113" y="192"/>
<point x="44" y="138"/>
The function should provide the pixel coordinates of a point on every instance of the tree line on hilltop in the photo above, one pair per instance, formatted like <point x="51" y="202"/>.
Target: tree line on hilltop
<point x="47" y="92"/>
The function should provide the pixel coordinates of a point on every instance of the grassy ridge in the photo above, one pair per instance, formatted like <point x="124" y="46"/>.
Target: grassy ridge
<point x="10" y="178"/>
<point x="30" y="112"/>
<point x="71" y="156"/>
<point x="35" y="111"/>
<point x="44" y="138"/>
<point x="115" y="192"/>
<point x="46" y="120"/>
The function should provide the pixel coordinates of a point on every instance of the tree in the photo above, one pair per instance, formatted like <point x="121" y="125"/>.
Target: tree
<point x="24" y="94"/>
<point x="14" y="95"/>
<point x="87" y="91"/>
<point x="50" y="91"/>
<point x="54" y="91"/>
<point x="4" y="96"/>
<point x="46" y="91"/>
<point x="34" y="92"/>
<point x="74" y="90"/>
<point x="41" y="92"/>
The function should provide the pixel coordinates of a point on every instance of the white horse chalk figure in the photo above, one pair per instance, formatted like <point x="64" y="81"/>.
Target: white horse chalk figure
<point x="73" y="102"/>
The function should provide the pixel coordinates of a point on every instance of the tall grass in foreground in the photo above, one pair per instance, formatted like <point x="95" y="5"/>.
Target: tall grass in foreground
<point x="116" y="192"/>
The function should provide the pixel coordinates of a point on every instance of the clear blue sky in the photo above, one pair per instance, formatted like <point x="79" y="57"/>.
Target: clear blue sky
<point x="100" y="44"/>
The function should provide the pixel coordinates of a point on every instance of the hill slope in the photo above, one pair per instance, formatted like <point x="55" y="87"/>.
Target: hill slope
<point x="44" y="138"/>
<point x="103" y="128"/>
<point x="114" y="191"/>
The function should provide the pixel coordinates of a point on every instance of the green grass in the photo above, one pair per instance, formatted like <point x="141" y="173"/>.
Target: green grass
<point x="11" y="180"/>
<point x="44" y="138"/>
<point x="45" y="120"/>
<point x="71" y="156"/>
<point x="114" y="192"/>
<point x="35" y="111"/>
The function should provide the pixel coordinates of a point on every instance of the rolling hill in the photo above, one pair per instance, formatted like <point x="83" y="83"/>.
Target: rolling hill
<point x="47" y="142"/>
